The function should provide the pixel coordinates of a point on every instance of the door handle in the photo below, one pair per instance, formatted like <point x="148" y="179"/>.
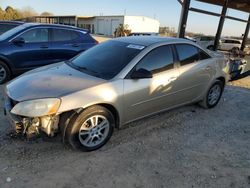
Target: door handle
<point x="44" y="46"/>
<point x="75" y="45"/>
<point x="207" y="68"/>
<point x="171" y="79"/>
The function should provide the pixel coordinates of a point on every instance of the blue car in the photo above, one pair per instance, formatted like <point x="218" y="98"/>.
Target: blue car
<point x="32" y="45"/>
<point x="8" y="25"/>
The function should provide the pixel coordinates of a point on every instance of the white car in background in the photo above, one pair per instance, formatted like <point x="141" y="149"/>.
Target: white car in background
<point x="206" y="42"/>
<point x="228" y="44"/>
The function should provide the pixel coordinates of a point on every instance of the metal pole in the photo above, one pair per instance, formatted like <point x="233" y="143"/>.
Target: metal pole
<point x="221" y="24"/>
<point x="76" y="21"/>
<point x="246" y="34"/>
<point x="183" y="18"/>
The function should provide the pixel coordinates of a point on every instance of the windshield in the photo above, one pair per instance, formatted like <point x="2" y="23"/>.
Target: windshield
<point x="107" y="59"/>
<point x="11" y="32"/>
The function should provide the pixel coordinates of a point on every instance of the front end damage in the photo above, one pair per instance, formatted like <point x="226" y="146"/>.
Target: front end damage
<point x="31" y="126"/>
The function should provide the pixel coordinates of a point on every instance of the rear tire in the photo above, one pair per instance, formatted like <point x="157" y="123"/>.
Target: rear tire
<point x="5" y="73"/>
<point x="213" y="95"/>
<point x="90" y="130"/>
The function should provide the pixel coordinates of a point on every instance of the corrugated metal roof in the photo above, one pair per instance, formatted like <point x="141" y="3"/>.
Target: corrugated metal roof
<point x="242" y="5"/>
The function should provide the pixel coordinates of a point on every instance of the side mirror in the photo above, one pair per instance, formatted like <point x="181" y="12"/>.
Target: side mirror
<point x="141" y="74"/>
<point x="19" y="41"/>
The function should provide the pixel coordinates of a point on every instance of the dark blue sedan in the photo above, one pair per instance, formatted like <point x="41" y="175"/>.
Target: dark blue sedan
<point x="32" y="45"/>
<point x="8" y="25"/>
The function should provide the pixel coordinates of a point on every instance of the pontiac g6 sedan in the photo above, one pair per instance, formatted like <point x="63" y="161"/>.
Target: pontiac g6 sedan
<point x="112" y="84"/>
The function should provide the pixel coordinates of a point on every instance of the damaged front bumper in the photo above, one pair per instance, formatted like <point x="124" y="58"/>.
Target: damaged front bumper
<point x="30" y="127"/>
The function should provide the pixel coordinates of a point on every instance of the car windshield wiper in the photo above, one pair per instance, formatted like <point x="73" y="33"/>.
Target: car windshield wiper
<point x="83" y="69"/>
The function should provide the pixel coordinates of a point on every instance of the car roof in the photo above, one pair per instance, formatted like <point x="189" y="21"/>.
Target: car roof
<point x="54" y="26"/>
<point x="150" y="40"/>
<point x="11" y="22"/>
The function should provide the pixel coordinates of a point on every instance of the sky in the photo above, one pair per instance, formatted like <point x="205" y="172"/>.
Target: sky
<point x="166" y="11"/>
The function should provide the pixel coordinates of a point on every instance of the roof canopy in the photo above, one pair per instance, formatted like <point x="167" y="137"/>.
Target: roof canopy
<point x="242" y="5"/>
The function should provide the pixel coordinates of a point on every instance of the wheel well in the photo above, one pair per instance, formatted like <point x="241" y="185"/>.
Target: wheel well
<point x="115" y="113"/>
<point x="222" y="79"/>
<point x="66" y="117"/>
<point x="5" y="62"/>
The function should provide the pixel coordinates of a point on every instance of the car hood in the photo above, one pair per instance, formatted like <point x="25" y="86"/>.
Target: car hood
<point x="55" y="80"/>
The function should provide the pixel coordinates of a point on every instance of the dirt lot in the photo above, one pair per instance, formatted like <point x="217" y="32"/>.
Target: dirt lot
<point x="186" y="147"/>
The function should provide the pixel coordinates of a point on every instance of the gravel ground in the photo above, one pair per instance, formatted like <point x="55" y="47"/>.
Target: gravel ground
<point x="186" y="147"/>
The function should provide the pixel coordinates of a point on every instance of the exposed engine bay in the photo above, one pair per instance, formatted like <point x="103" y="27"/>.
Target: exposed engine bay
<point x="31" y="127"/>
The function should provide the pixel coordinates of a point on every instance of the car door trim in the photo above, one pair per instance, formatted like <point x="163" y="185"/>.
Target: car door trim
<point x="155" y="98"/>
<point x="49" y="29"/>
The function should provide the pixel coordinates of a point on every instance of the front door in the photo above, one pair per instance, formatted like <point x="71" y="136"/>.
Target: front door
<point x="150" y="95"/>
<point x="34" y="51"/>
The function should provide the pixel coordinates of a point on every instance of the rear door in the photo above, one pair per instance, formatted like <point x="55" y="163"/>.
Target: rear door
<point x="34" y="52"/>
<point x="149" y="95"/>
<point x="195" y="72"/>
<point x="67" y="43"/>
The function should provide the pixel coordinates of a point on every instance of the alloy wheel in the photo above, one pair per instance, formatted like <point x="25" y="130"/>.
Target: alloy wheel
<point x="94" y="131"/>
<point x="2" y="73"/>
<point x="214" y="94"/>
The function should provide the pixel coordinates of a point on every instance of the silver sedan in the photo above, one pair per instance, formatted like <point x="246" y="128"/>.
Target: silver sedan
<point x="112" y="84"/>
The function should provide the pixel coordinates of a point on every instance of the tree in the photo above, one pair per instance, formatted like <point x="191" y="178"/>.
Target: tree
<point x="122" y="31"/>
<point x="47" y="14"/>
<point x="1" y="14"/>
<point x="11" y="13"/>
<point x="27" y="12"/>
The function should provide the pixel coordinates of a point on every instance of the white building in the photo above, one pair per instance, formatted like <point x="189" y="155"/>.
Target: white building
<point x="105" y="25"/>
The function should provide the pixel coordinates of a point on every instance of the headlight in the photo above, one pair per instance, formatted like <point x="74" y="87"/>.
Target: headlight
<point x="37" y="108"/>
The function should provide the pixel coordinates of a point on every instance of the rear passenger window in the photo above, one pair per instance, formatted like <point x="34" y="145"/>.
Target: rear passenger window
<point x="64" y="35"/>
<point x="187" y="53"/>
<point x="203" y="55"/>
<point x="158" y="60"/>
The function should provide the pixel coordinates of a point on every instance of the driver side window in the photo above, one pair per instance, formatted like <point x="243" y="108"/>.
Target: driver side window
<point x="36" y="35"/>
<point x="158" y="60"/>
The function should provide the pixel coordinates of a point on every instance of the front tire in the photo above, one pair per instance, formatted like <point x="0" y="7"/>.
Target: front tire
<point x="91" y="129"/>
<point x="213" y="95"/>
